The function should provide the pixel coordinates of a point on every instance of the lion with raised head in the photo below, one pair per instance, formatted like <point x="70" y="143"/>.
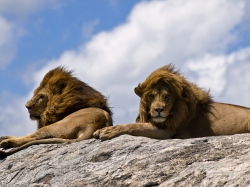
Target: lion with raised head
<point x="172" y="107"/>
<point x="66" y="110"/>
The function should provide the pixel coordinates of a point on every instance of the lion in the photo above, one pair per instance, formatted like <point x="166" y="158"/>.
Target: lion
<point x="66" y="110"/>
<point x="171" y="107"/>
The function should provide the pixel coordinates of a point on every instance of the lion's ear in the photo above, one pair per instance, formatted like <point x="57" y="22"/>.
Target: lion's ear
<point x="138" y="90"/>
<point x="59" y="85"/>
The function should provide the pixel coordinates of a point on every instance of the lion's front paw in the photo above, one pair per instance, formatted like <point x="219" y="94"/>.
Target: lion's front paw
<point x="107" y="133"/>
<point x="6" y="144"/>
<point x="4" y="138"/>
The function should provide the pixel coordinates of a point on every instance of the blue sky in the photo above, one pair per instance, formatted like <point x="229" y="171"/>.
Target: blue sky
<point x="51" y="30"/>
<point x="114" y="44"/>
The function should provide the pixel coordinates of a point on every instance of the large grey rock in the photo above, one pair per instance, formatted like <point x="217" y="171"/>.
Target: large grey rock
<point x="132" y="161"/>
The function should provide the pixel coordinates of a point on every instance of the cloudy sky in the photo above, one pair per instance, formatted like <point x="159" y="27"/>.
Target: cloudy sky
<point x="114" y="44"/>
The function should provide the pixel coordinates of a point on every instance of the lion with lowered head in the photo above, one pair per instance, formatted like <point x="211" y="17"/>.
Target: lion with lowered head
<point x="66" y="110"/>
<point x="172" y="107"/>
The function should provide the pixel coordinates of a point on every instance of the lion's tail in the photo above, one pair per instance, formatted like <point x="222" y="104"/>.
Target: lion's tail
<point x="4" y="154"/>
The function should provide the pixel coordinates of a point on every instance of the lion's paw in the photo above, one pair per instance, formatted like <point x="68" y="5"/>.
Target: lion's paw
<point x="4" y="138"/>
<point x="106" y="133"/>
<point x="6" y="144"/>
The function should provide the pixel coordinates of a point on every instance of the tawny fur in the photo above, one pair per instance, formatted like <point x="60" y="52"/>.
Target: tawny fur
<point x="68" y="94"/>
<point x="191" y="112"/>
<point x="66" y="109"/>
<point x="188" y="97"/>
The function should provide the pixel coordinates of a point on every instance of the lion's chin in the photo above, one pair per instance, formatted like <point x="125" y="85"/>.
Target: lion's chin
<point x="159" y="119"/>
<point x="34" y="117"/>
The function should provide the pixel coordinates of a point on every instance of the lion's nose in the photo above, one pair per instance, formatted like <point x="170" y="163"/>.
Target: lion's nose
<point x="158" y="109"/>
<point x="28" y="106"/>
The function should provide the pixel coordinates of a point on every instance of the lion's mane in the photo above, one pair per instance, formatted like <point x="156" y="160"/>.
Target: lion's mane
<point x="189" y="98"/>
<point x="67" y="95"/>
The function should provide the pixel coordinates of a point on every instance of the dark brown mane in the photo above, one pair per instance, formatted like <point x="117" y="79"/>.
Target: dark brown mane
<point x="68" y="94"/>
<point x="189" y="98"/>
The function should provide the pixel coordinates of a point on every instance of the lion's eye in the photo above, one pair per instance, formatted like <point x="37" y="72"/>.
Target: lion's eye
<point x="41" y="97"/>
<point x="167" y="97"/>
<point x="151" y="96"/>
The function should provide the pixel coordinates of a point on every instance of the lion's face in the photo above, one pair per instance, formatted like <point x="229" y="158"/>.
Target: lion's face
<point x="38" y="103"/>
<point x="160" y="103"/>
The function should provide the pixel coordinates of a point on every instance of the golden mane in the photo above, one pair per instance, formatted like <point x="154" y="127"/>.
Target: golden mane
<point x="187" y="97"/>
<point x="68" y="94"/>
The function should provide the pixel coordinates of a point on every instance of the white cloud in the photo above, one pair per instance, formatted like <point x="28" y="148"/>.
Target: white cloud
<point x="210" y="72"/>
<point x="7" y="42"/>
<point x="226" y="75"/>
<point x="14" y="118"/>
<point x="193" y="34"/>
<point x="237" y="90"/>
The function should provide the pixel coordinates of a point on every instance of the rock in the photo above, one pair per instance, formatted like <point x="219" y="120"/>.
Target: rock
<point x="132" y="161"/>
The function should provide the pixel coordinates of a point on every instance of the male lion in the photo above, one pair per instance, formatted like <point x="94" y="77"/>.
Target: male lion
<point x="66" y="109"/>
<point x="172" y="107"/>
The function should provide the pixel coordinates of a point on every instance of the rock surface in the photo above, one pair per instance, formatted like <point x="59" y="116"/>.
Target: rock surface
<point x="132" y="161"/>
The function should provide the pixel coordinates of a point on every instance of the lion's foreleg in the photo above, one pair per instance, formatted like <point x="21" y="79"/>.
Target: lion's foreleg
<point x="44" y="136"/>
<point x="9" y="137"/>
<point x="12" y="141"/>
<point x="136" y="129"/>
